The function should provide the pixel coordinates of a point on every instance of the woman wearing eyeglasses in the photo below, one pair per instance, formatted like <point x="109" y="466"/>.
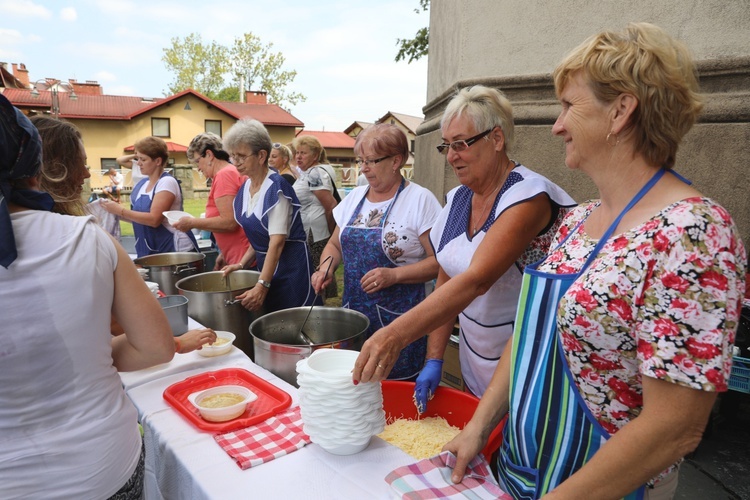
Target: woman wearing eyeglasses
<point x="502" y="217"/>
<point x="383" y="236"/>
<point x="207" y="154"/>
<point x="268" y="210"/>
<point x="279" y="160"/>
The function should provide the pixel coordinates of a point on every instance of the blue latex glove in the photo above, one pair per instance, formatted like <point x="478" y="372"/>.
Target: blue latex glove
<point x="427" y="383"/>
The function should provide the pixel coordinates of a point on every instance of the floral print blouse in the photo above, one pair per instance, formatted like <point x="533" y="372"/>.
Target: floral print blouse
<point x="661" y="300"/>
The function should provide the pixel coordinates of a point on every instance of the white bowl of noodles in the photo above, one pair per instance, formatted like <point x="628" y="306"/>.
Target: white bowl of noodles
<point x="222" y="344"/>
<point x="223" y="402"/>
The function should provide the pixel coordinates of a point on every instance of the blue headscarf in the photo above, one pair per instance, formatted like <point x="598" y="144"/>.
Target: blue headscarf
<point x="20" y="158"/>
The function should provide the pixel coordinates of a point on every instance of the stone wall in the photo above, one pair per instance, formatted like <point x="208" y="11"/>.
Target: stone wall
<point x="515" y="44"/>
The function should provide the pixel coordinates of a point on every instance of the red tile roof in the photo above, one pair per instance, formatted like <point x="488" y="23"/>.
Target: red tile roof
<point x="338" y="140"/>
<point x="172" y="147"/>
<point x="110" y="107"/>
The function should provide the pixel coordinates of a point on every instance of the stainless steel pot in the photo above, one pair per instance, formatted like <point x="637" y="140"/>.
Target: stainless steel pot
<point x="167" y="269"/>
<point x="176" y="309"/>
<point x="213" y="303"/>
<point x="277" y="342"/>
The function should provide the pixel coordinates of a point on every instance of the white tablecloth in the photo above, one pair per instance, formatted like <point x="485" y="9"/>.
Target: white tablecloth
<point x="183" y="462"/>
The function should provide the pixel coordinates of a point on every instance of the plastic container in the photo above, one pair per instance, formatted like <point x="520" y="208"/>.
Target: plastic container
<point x="454" y="406"/>
<point x="740" y="378"/>
<point x="175" y="215"/>
<point x="224" y="413"/>
<point x="217" y="350"/>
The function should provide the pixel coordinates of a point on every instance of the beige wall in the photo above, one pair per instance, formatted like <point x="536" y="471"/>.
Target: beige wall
<point x="514" y="45"/>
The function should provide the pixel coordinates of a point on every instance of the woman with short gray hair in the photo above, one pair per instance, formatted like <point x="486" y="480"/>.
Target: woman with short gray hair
<point x="268" y="210"/>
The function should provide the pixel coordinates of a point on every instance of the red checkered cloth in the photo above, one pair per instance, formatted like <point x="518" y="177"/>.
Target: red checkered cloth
<point x="261" y="443"/>
<point x="431" y="478"/>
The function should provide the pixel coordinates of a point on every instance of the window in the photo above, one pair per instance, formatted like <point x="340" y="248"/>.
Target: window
<point x="412" y="146"/>
<point x="160" y="127"/>
<point x="108" y="163"/>
<point x="214" y="126"/>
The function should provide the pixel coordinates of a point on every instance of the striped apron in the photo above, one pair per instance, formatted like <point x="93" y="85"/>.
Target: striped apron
<point x="550" y="433"/>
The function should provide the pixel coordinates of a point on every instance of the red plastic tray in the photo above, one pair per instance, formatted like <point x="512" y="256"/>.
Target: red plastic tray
<point x="455" y="406"/>
<point x="271" y="400"/>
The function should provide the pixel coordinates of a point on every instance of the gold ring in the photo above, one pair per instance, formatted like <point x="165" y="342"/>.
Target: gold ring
<point x="380" y="366"/>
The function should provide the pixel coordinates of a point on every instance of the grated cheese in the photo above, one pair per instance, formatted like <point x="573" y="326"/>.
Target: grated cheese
<point x="422" y="438"/>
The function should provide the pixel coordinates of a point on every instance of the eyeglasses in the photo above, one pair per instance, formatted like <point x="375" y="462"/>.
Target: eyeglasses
<point x="461" y="145"/>
<point x="367" y="163"/>
<point x="240" y="159"/>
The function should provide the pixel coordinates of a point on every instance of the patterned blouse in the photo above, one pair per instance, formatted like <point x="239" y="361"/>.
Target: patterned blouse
<point x="661" y="300"/>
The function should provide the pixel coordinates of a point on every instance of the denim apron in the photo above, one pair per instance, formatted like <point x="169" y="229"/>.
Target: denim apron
<point x="291" y="279"/>
<point x="152" y="240"/>
<point x="363" y="248"/>
<point x="550" y="433"/>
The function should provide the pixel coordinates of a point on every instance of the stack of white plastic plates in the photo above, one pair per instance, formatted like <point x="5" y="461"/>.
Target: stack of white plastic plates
<point x="337" y="415"/>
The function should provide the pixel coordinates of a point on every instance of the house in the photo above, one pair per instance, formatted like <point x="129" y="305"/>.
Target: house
<point x="110" y="124"/>
<point x="355" y="128"/>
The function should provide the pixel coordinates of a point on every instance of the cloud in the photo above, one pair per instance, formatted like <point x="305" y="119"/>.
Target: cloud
<point x="68" y="14"/>
<point x="24" y="8"/>
<point x="105" y="76"/>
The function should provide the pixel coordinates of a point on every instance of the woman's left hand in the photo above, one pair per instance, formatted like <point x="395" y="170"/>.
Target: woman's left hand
<point x="184" y="224"/>
<point x="378" y="279"/>
<point x="253" y="299"/>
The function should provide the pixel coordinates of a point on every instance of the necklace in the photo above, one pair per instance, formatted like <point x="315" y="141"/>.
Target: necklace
<point x="482" y="216"/>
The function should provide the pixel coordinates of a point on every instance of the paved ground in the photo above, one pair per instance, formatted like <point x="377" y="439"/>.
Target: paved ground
<point x="720" y="468"/>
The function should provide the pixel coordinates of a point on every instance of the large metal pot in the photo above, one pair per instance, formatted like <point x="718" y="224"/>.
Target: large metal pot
<point x="213" y="303"/>
<point x="176" y="309"/>
<point x="167" y="269"/>
<point x="278" y="345"/>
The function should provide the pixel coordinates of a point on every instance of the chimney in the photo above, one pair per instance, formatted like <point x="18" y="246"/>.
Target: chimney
<point x="89" y="87"/>
<point x="20" y="72"/>
<point x="256" y="97"/>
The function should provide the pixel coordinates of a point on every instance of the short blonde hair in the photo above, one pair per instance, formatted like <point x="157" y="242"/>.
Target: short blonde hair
<point x="642" y="60"/>
<point x="313" y="143"/>
<point x="486" y="107"/>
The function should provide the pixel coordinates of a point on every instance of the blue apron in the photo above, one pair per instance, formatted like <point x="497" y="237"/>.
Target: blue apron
<point x="290" y="285"/>
<point x="550" y="433"/>
<point x="151" y="240"/>
<point x="363" y="251"/>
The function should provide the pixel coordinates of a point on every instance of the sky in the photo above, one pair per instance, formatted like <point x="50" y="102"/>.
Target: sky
<point x="343" y="51"/>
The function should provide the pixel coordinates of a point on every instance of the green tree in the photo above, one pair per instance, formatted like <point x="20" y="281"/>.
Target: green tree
<point x="416" y="47"/>
<point x="248" y="64"/>
<point x="196" y="65"/>
<point x="258" y="68"/>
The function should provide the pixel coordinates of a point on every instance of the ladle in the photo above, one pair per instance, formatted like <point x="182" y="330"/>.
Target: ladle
<point x="302" y="335"/>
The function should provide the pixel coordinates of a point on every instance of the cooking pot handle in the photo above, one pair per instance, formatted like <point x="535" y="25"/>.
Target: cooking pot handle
<point x="181" y="269"/>
<point x="232" y="302"/>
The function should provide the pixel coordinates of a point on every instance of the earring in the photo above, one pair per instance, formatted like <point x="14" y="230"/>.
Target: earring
<point x="609" y="142"/>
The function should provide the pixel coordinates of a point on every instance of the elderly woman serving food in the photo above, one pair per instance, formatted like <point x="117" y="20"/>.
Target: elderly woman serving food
<point x="382" y="236"/>
<point x="625" y="328"/>
<point x="269" y="212"/>
<point x="502" y="217"/>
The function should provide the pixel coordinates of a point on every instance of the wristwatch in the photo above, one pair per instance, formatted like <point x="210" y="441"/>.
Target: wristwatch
<point x="264" y="283"/>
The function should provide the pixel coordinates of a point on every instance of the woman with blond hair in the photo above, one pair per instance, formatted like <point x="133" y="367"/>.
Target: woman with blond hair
<point x="280" y="159"/>
<point x="316" y="191"/>
<point x="625" y="328"/>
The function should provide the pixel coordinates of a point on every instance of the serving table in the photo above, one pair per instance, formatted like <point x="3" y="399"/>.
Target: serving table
<point x="184" y="462"/>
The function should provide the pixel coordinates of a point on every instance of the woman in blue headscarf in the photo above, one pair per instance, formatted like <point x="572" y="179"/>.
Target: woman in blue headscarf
<point x="62" y="361"/>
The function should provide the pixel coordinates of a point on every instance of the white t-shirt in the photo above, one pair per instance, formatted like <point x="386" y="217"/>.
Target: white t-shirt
<point x="315" y="178"/>
<point x="117" y="179"/>
<point x="168" y="183"/>
<point x="67" y="429"/>
<point x="415" y="212"/>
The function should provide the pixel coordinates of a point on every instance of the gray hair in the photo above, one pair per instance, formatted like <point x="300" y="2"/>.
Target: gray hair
<point x="202" y="143"/>
<point x="250" y="133"/>
<point x="486" y="107"/>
